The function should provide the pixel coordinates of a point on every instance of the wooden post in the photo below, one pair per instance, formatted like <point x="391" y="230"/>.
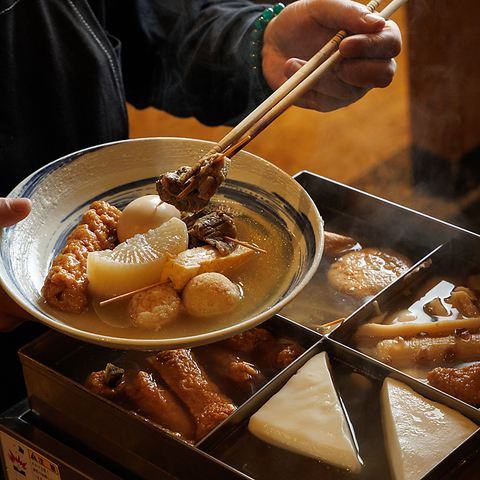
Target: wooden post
<point x="444" y="71"/>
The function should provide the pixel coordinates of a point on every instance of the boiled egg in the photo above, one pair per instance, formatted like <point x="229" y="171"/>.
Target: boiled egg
<point x="143" y="214"/>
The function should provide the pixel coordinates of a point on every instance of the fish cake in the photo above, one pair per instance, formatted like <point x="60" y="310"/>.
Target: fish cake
<point x="65" y="286"/>
<point x="154" y="308"/>
<point x="367" y="271"/>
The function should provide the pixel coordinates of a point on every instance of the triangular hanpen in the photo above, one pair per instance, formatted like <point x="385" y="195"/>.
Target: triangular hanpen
<point x="306" y="417"/>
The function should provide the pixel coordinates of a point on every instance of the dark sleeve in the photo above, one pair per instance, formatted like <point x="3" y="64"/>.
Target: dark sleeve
<point x="61" y="87"/>
<point x="189" y="58"/>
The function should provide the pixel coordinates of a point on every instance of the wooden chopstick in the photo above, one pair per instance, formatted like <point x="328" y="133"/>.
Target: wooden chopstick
<point x="295" y="87"/>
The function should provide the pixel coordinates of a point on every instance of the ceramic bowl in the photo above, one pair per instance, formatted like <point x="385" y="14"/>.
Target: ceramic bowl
<point x="122" y="171"/>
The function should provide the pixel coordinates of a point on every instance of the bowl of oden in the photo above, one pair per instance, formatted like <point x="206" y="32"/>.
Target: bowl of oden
<point x="103" y="259"/>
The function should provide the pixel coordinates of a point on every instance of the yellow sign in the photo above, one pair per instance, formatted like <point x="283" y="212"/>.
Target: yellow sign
<point x="35" y="457"/>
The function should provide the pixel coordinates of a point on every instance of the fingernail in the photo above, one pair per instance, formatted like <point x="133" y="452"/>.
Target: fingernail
<point x="296" y="66"/>
<point x="373" y="18"/>
<point x="19" y="204"/>
<point x="293" y="68"/>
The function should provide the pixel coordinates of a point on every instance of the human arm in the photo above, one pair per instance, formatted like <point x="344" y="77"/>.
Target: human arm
<point x="201" y="65"/>
<point x="11" y="212"/>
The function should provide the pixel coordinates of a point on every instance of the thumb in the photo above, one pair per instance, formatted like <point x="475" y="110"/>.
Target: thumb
<point x="12" y="210"/>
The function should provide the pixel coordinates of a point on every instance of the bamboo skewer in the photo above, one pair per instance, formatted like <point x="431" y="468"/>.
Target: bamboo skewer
<point x="133" y="292"/>
<point x="163" y="282"/>
<point x="333" y="323"/>
<point x="295" y="87"/>
<point x="245" y="244"/>
<point x="235" y="148"/>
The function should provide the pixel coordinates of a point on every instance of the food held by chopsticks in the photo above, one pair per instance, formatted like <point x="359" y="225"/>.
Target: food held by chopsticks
<point x="191" y="188"/>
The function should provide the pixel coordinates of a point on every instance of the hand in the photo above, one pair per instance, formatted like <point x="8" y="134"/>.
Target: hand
<point x="12" y="211"/>
<point x="305" y="26"/>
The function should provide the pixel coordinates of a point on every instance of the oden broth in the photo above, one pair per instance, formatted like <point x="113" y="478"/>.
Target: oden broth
<point x="260" y="279"/>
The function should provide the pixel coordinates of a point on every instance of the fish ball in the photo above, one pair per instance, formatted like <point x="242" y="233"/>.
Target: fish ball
<point x="143" y="214"/>
<point x="210" y="293"/>
<point x="155" y="307"/>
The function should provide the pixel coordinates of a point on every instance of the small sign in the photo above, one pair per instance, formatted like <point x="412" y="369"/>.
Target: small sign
<point x="21" y="462"/>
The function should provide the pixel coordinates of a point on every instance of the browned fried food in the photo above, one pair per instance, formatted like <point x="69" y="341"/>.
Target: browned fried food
<point x="241" y="371"/>
<point x="287" y="354"/>
<point x="229" y="365"/>
<point x="462" y="383"/>
<point x="335" y="244"/>
<point x="66" y="284"/>
<point x="278" y="355"/>
<point x="189" y="381"/>
<point x="159" y="405"/>
<point x="465" y="300"/>
<point x="248" y="340"/>
<point x="108" y="383"/>
<point x="273" y="353"/>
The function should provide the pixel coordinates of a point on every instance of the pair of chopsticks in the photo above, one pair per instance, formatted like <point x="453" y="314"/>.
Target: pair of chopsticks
<point x="295" y="87"/>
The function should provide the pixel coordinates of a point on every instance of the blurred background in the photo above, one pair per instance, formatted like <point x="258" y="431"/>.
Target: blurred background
<point x="415" y="142"/>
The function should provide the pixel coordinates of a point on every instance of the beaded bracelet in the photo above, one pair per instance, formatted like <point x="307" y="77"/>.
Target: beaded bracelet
<point x="257" y="42"/>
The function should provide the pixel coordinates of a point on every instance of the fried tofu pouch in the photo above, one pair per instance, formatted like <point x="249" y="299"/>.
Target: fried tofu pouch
<point x="65" y="286"/>
<point x="181" y="372"/>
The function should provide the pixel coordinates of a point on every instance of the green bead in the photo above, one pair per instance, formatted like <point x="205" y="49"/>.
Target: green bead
<point x="268" y="14"/>
<point x="261" y="23"/>
<point x="255" y="57"/>
<point x="257" y="35"/>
